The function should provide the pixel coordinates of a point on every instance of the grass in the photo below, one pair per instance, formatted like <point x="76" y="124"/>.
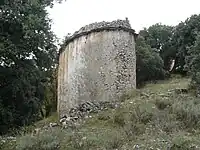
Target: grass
<point x="154" y="117"/>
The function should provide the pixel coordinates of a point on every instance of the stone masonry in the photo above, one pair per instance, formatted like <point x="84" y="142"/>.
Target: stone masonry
<point x="96" y="63"/>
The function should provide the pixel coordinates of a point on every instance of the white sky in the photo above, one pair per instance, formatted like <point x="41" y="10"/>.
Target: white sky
<point x="71" y="15"/>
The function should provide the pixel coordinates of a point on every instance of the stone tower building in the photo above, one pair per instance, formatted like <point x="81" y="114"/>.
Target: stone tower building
<point x="98" y="62"/>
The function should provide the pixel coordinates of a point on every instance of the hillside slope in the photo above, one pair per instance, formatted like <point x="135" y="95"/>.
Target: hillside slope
<point x="158" y="116"/>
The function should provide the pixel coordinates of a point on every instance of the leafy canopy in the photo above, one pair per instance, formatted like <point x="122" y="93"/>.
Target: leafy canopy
<point x="149" y="65"/>
<point x="27" y="58"/>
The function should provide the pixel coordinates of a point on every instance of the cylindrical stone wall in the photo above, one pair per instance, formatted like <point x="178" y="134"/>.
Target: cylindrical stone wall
<point x="99" y="64"/>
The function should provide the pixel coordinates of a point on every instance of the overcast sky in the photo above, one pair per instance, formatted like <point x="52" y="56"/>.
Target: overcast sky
<point x="71" y="15"/>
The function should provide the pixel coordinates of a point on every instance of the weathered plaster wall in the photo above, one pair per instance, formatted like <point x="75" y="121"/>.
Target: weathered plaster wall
<point x="96" y="66"/>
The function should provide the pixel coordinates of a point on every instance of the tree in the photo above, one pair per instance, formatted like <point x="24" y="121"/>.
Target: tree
<point x="27" y="58"/>
<point x="193" y="64"/>
<point x="50" y="92"/>
<point x="159" y="37"/>
<point x="184" y="37"/>
<point x="149" y="65"/>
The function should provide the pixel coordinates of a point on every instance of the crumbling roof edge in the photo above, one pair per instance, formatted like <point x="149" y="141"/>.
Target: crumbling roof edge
<point x="74" y="36"/>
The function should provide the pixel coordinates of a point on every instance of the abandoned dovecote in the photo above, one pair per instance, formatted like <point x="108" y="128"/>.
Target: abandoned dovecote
<point x="96" y="63"/>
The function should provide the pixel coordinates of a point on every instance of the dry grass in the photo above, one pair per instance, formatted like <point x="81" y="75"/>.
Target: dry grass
<point x="153" y="118"/>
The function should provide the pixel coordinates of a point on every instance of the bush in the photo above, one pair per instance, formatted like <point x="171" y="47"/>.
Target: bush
<point x="181" y="142"/>
<point x="111" y="140"/>
<point x="43" y="141"/>
<point x="142" y="113"/>
<point x="128" y="95"/>
<point x="78" y="142"/>
<point x="162" y="103"/>
<point x="149" y="65"/>
<point x="103" y="116"/>
<point x="115" y="141"/>
<point x="188" y="112"/>
<point x="134" y="129"/>
<point x="119" y="118"/>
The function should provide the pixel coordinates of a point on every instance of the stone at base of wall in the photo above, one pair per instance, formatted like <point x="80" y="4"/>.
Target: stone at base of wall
<point x="83" y="111"/>
<point x="97" y="65"/>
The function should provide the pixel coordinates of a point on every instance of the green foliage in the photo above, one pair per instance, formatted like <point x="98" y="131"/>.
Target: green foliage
<point x="48" y="140"/>
<point x="103" y="117"/>
<point x="173" y="42"/>
<point x="162" y="119"/>
<point x="149" y="65"/>
<point x="50" y="98"/>
<point x="184" y="37"/>
<point x="115" y="141"/>
<point x="188" y="112"/>
<point x="119" y="118"/>
<point x="193" y="64"/>
<point x="78" y="141"/>
<point x="182" y="142"/>
<point x="159" y="37"/>
<point x="7" y="145"/>
<point x="28" y="55"/>
<point x="162" y="103"/>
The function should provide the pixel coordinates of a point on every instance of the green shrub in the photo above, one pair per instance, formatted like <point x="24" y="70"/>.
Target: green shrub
<point x="143" y="113"/>
<point x="181" y="142"/>
<point x="128" y="95"/>
<point x="193" y="64"/>
<point x="78" y="142"/>
<point x="7" y="145"/>
<point x="166" y="122"/>
<point x="188" y="112"/>
<point x="132" y="130"/>
<point x="113" y="139"/>
<point x="162" y="103"/>
<point x="119" y="118"/>
<point x="114" y="143"/>
<point x="43" y="141"/>
<point x="149" y="65"/>
<point x="104" y="116"/>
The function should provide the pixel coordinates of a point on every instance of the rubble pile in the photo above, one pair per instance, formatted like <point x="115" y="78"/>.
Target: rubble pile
<point x="83" y="110"/>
